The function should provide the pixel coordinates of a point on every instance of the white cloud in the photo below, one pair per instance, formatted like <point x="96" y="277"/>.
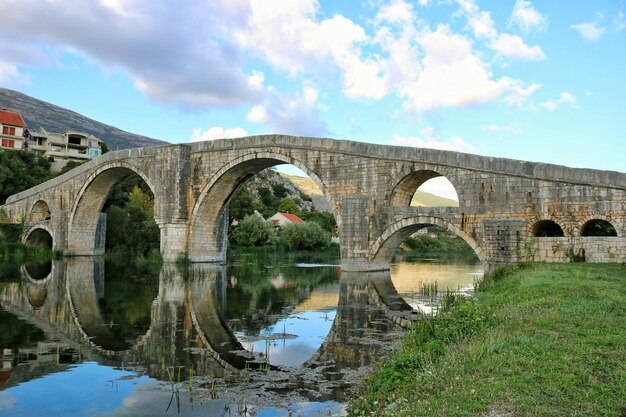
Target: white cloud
<point x="179" y="53"/>
<point x="480" y="22"/>
<point x="564" y="98"/>
<point x="394" y="12"/>
<point x="590" y="31"/>
<point x="430" y="139"/>
<point x="291" y="38"/>
<point x="257" y="114"/>
<point x="290" y="114"/>
<point x="518" y="93"/>
<point x="512" y="128"/>
<point x="506" y="45"/>
<point x="193" y="54"/>
<point x="513" y="47"/>
<point x="526" y="17"/>
<point x="11" y="76"/>
<point x="216" y="132"/>
<point x="452" y="75"/>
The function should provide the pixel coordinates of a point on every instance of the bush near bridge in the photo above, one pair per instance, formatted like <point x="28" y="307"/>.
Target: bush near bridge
<point x="253" y="231"/>
<point x="537" y="340"/>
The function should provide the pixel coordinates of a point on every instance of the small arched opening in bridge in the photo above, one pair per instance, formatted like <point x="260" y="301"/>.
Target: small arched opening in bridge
<point x="427" y="249"/>
<point x="40" y="212"/>
<point x="425" y="188"/>
<point x="40" y="237"/>
<point x="251" y="190"/>
<point x="598" y="227"/>
<point x="547" y="228"/>
<point x="114" y="211"/>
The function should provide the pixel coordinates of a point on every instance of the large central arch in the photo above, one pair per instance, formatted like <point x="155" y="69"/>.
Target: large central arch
<point x="84" y="217"/>
<point x="383" y="249"/>
<point x="207" y="231"/>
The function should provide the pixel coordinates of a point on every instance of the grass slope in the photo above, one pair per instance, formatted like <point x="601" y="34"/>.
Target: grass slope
<point x="543" y="340"/>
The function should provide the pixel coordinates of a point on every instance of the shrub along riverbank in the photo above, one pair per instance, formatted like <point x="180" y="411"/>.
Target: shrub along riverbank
<point x="538" y="340"/>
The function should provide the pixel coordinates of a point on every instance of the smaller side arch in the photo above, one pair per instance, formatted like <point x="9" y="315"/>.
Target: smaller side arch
<point x="546" y="228"/>
<point x="39" y="235"/>
<point x="598" y="227"/>
<point x="39" y="212"/>
<point x="85" y="213"/>
<point x="385" y="246"/>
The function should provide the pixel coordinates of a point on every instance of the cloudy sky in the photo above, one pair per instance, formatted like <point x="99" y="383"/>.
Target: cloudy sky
<point x="533" y="80"/>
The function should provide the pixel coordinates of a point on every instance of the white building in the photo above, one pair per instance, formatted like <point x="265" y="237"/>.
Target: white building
<point x="67" y="145"/>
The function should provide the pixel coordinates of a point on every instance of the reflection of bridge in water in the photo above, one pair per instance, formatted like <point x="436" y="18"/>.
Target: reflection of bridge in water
<point x="187" y="324"/>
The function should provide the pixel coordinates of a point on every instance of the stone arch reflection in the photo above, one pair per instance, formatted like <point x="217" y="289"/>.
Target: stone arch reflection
<point x="370" y="316"/>
<point x="188" y="328"/>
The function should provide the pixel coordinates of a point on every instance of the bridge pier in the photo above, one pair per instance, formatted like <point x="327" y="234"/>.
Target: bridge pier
<point x="363" y="265"/>
<point x="173" y="240"/>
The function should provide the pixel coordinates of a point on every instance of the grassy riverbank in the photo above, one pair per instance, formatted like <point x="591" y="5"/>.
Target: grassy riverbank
<point x="540" y="340"/>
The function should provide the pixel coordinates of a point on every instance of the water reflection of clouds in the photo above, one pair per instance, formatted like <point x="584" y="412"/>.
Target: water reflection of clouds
<point x="7" y="401"/>
<point x="78" y="390"/>
<point x="310" y="327"/>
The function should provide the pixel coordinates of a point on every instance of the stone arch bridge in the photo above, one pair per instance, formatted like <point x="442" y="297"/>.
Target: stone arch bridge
<point x="505" y="206"/>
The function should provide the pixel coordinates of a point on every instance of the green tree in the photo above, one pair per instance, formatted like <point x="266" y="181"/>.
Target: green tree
<point x="323" y="218"/>
<point x="254" y="231"/>
<point x="69" y="166"/>
<point x="241" y="205"/>
<point x="279" y="190"/>
<point x="132" y="228"/>
<point x="308" y="235"/>
<point x="141" y="202"/>
<point x="288" y="205"/>
<point x="20" y="170"/>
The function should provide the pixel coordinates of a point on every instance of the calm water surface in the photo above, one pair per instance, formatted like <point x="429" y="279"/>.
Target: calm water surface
<point x="261" y="336"/>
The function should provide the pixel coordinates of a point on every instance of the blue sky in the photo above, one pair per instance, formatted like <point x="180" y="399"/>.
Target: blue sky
<point x="532" y="80"/>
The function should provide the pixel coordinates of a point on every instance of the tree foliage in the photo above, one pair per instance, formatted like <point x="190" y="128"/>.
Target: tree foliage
<point x="241" y="204"/>
<point x="304" y="236"/>
<point x="323" y="218"/>
<point x="20" y="170"/>
<point x="254" y="231"/>
<point x="131" y="227"/>
<point x="289" y="205"/>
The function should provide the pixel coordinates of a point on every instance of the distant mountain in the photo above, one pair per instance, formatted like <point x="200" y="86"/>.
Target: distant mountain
<point x="37" y="113"/>
<point x="424" y="199"/>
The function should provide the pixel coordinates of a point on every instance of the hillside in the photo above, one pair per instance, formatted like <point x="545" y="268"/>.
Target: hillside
<point x="37" y="113"/>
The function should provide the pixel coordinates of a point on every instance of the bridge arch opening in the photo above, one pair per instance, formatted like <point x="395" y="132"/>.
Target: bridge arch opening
<point x="598" y="227"/>
<point x="253" y="186"/>
<point x="40" y="212"/>
<point x="428" y="250"/>
<point x="39" y="237"/>
<point x="386" y="246"/>
<point x="547" y="228"/>
<point x="114" y="210"/>
<point x="425" y="188"/>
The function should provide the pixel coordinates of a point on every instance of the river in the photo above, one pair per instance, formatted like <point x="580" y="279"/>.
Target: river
<point x="261" y="336"/>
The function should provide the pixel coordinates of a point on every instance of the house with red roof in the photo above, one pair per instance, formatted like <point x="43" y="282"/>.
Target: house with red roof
<point x="12" y="128"/>
<point x="281" y="219"/>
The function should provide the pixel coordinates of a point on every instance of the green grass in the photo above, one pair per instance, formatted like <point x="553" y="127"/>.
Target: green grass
<point x="540" y="340"/>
